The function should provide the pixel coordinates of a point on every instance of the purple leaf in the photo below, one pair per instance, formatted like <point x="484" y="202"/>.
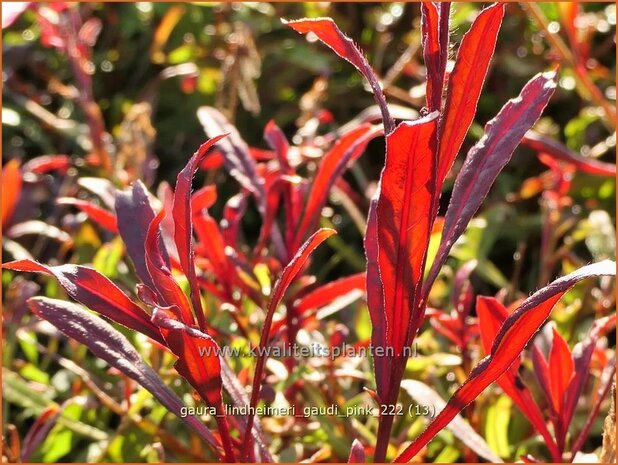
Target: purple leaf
<point x="134" y="214"/>
<point x="238" y="161"/>
<point x="357" y="453"/>
<point x="111" y="346"/>
<point x="487" y="158"/>
<point x="96" y="292"/>
<point x="183" y="225"/>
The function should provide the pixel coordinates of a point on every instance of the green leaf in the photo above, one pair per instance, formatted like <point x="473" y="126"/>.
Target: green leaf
<point x="33" y="373"/>
<point x="497" y="426"/>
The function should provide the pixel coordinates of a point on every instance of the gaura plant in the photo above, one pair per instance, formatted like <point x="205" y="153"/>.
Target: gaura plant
<point x="176" y="322"/>
<point x="419" y="155"/>
<point x="159" y="239"/>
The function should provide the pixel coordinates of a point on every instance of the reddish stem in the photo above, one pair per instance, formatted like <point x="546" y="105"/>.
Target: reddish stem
<point x="226" y="439"/>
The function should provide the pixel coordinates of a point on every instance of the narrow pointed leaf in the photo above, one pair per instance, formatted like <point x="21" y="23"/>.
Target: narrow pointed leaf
<point x="39" y="431"/>
<point x="582" y="354"/>
<point x="375" y="302"/>
<point x="212" y="242"/>
<point x="237" y="158"/>
<point x="465" y="84"/>
<point x="541" y="371"/>
<point x="183" y="225"/>
<point x="347" y="149"/>
<point x="284" y="281"/>
<point x="404" y="223"/>
<point x="326" y="293"/>
<point x="97" y="214"/>
<point x="169" y="291"/>
<point x="357" y="453"/>
<point x="198" y="355"/>
<point x="276" y="190"/>
<point x="46" y="163"/>
<point x="111" y="346"/>
<point x="203" y="199"/>
<point x="134" y="214"/>
<point x="233" y="213"/>
<point x="434" y="23"/>
<point x="515" y="333"/>
<point x="199" y="363"/>
<point x="425" y="395"/>
<point x="549" y="146"/>
<point x="95" y="291"/>
<point x="328" y="32"/>
<point x="560" y="369"/>
<point x="487" y="158"/>
<point x="492" y="314"/>
<point x="278" y="142"/>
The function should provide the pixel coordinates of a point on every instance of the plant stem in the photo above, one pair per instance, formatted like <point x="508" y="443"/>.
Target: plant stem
<point x="384" y="432"/>
<point x="386" y="421"/>
<point x="224" y="432"/>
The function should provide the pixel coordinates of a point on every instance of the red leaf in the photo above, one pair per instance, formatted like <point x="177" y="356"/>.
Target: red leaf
<point x="199" y="363"/>
<point x="347" y="149"/>
<point x="239" y="163"/>
<point x="292" y="195"/>
<point x="273" y="199"/>
<point x="510" y="341"/>
<point x="11" y="188"/>
<point x="404" y="224"/>
<point x="198" y="355"/>
<point x="46" y="163"/>
<point x="233" y="212"/>
<point x="328" y="32"/>
<point x="541" y="371"/>
<point x="100" y="216"/>
<point x="434" y="22"/>
<point x="582" y="354"/>
<point x="203" y="198"/>
<point x="284" y="281"/>
<point x="465" y="84"/>
<point x="492" y="314"/>
<point x="214" y="160"/>
<point x="487" y="158"/>
<point x="327" y="293"/>
<point x="183" y="225"/>
<point x="560" y="370"/>
<point x="375" y="302"/>
<point x="213" y="246"/>
<point x="134" y="214"/>
<point x="165" y="285"/>
<point x="96" y="292"/>
<point x="544" y="144"/>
